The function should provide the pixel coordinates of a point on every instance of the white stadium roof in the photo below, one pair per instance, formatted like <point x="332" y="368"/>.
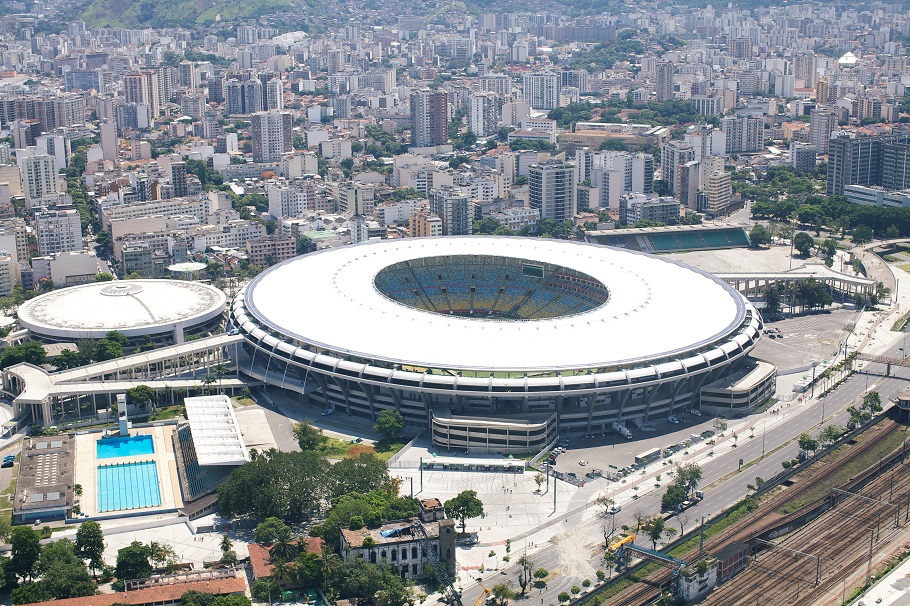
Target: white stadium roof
<point x="133" y="307"/>
<point x="216" y="435"/>
<point x="656" y="308"/>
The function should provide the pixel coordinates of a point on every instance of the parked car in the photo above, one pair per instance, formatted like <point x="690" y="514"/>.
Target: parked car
<point x="673" y="419"/>
<point x="582" y="463"/>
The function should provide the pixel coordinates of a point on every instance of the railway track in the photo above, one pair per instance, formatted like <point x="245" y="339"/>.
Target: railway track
<point x="767" y="517"/>
<point x="825" y="550"/>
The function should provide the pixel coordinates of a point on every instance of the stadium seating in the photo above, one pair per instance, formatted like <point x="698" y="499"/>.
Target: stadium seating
<point x="483" y="286"/>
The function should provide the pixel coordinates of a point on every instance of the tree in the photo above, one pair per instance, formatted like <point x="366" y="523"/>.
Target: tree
<point x="540" y="574"/>
<point x="141" y="395"/>
<point x="803" y="243"/>
<point x="133" y="562"/>
<point x="90" y="544"/>
<point x="226" y="544"/>
<point x="104" y="276"/>
<point x="525" y="568"/>
<point x="503" y="593"/>
<point x="539" y="479"/>
<point x="606" y="510"/>
<point x="268" y="530"/>
<point x="673" y="497"/>
<point x="807" y="443"/>
<point x="655" y="530"/>
<point x="361" y="473"/>
<point x="68" y="358"/>
<point x="688" y="476"/>
<point x="873" y="402"/>
<point x="30" y="352"/>
<point x="62" y="572"/>
<point x="309" y="437"/>
<point x="107" y="350"/>
<point x="161" y="553"/>
<point x="760" y="235"/>
<point x="830" y="434"/>
<point x="862" y="234"/>
<point x="389" y="424"/>
<point x="463" y="506"/>
<point x="284" y="548"/>
<point x="26" y="549"/>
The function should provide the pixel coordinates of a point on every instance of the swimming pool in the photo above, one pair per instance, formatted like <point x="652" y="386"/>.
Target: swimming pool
<point x="109" y="448"/>
<point x="128" y="486"/>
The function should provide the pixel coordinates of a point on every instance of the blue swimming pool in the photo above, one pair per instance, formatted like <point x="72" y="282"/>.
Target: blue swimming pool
<point x="128" y="486"/>
<point x="109" y="448"/>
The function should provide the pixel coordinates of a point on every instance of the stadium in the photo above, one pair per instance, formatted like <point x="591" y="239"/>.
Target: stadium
<point x="493" y="343"/>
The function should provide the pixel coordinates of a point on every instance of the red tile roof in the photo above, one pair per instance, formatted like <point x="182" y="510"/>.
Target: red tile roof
<point x="261" y="562"/>
<point x="150" y="595"/>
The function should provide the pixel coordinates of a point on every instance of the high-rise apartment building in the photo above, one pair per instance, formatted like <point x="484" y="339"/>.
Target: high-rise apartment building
<point x="802" y="157"/>
<point x="664" y="81"/>
<point x="455" y="210"/>
<point x="541" y="90"/>
<point x="484" y="113"/>
<point x="822" y="122"/>
<point x="552" y="189"/>
<point x="271" y="134"/>
<point x="740" y="48"/>
<point x="883" y="161"/>
<point x="178" y="179"/>
<point x="429" y="118"/>
<point x="58" y="231"/>
<point x="39" y="175"/>
<point x="142" y="87"/>
<point x="243" y="97"/>
<point x="744" y="133"/>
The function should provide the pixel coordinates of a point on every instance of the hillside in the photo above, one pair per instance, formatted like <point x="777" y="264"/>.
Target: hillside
<point x="165" y="13"/>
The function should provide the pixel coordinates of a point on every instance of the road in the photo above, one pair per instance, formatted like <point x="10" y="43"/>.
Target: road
<point x="726" y="487"/>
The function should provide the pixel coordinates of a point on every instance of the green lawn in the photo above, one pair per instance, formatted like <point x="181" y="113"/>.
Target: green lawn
<point x="166" y="412"/>
<point x="242" y="401"/>
<point x="339" y="449"/>
<point x="851" y="469"/>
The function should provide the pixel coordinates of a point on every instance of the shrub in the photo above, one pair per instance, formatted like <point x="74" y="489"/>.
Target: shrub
<point x="576" y="589"/>
<point x="586" y="583"/>
<point x="564" y="596"/>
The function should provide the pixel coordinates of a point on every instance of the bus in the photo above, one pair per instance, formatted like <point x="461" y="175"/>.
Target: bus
<point x="647" y="457"/>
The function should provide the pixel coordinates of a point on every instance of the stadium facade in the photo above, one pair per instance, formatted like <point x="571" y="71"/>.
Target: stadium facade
<point x="493" y="343"/>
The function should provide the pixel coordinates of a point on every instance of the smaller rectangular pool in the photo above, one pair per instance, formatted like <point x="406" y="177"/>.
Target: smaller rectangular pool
<point x="109" y="448"/>
<point x="128" y="486"/>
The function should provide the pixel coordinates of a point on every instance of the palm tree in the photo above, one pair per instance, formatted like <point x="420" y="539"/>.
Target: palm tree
<point x="220" y="370"/>
<point x="284" y="571"/>
<point x="330" y="563"/>
<point x="226" y="544"/>
<point x="284" y="549"/>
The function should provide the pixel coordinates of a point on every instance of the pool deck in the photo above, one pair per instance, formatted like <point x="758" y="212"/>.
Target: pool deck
<point x="87" y="463"/>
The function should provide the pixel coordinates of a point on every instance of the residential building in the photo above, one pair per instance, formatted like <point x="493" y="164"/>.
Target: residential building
<point x="664" y="81"/>
<point x="39" y="176"/>
<point x="271" y="134"/>
<point x="640" y="207"/>
<point x="857" y="160"/>
<point x="744" y="133"/>
<point x="58" y="231"/>
<point x="802" y="157"/>
<point x="518" y="218"/>
<point x="455" y="210"/>
<point x="9" y="272"/>
<point x="68" y="268"/>
<point x="270" y="250"/>
<point x="541" y="90"/>
<point x="822" y="122"/>
<point x="138" y="258"/>
<point x="429" y="118"/>
<point x="552" y="189"/>
<point x="719" y="188"/>
<point x="484" y="113"/>
<point x="423" y="224"/>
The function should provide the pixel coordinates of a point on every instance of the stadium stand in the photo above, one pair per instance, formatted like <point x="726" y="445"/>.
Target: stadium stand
<point x="672" y="239"/>
<point x="493" y="287"/>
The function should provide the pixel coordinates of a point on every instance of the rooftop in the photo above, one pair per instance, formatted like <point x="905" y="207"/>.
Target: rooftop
<point x="216" y="435"/>
<point x="641" y="320"/>
<point x="133" y="307"/>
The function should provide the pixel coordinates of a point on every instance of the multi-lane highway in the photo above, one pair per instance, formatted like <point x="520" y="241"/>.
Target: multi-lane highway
<point x="724" y="486"/>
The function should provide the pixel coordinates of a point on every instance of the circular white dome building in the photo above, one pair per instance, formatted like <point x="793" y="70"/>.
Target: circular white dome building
<point x="493" y="341"/>
<point x="160" y="310"/>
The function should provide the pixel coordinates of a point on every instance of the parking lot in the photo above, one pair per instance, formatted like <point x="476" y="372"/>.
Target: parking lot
<point x="804" y="339"/>
<point x="603" y="451"/>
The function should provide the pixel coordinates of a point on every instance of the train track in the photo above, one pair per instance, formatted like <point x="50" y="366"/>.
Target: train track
<point x="765" y="518"/>
<point x="835" y="546"/>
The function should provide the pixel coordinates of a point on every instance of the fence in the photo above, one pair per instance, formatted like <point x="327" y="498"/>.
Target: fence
<point x="393" y="461"/>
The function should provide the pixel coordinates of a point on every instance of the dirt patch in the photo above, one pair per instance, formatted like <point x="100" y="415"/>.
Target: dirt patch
<point x="573" y="553"/>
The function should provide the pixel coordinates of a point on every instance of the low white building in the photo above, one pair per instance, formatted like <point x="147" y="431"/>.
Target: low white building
<point x="68" y="268"/>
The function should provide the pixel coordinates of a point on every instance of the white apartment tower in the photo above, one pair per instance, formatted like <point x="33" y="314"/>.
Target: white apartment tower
<point x="552" y="189"/>
<point x="541" y="90"/>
